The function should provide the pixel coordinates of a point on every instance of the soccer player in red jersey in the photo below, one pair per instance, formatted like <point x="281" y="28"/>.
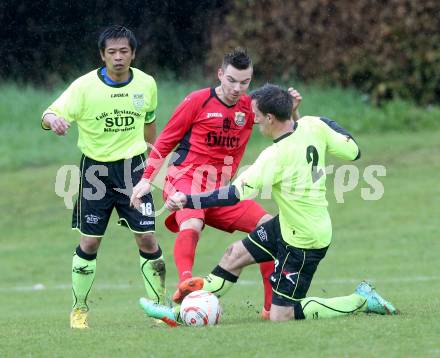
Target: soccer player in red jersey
<point x="210" y="129"/>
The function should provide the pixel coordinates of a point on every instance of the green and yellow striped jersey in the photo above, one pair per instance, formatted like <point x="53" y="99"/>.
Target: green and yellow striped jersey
<point x="110" y="118"/>
<point x="292" y="172"/>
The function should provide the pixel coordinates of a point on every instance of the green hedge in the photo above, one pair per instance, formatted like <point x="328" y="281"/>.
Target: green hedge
<point x="385" y="48"/>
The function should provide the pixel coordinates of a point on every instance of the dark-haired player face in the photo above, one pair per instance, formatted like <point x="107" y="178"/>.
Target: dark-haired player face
<point x="261" y="119"/>
<point x="117" y="56"/>
<point x="233" y="83"/>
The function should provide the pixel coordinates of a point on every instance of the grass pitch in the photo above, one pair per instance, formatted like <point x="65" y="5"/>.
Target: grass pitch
<point x="392" y="241"/>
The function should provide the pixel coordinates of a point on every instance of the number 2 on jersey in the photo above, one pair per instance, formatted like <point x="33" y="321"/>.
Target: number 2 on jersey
<point x="313" y="156"/>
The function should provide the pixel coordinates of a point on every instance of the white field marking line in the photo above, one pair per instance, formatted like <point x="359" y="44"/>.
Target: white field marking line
<point x="122" y="286"/>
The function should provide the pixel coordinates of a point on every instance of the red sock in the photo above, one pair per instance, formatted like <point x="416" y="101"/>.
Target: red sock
<point x="266" y="269"/>
<point x="184" y="252"/>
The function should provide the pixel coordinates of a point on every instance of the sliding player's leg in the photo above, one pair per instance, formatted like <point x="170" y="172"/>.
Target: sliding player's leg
<point x="245" y="216"/>
<point x="255" y="248"/>
<point x="292" y="278"/>
<point x="259" y="246"/>
<point x="219" y="281"/>
<point x="364" y="299"/>
<point x="222" y="277"/>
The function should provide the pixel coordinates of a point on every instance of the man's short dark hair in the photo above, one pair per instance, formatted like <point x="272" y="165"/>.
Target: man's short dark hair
<point x="117" y="32"/>
<point x="237" y="58"/>
<point x="274" y="100"/>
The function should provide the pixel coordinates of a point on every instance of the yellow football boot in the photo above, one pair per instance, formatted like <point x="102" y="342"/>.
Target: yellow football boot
<point x="78" y="319"/>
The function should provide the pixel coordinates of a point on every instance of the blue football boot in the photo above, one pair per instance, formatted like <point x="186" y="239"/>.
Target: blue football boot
<point x="375" y="302"/>
<point x="166" y="314"/>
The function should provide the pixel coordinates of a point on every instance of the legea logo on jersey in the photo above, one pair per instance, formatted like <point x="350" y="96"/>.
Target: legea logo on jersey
<point x="138" y="101"/>
<point x="240" y="119"/>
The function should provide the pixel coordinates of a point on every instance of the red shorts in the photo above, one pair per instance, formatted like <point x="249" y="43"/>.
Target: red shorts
<point x="243" y="216"/>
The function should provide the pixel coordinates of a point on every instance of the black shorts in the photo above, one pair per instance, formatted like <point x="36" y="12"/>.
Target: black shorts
<point x="107" y="185"/>
<point x="294" y="267"/>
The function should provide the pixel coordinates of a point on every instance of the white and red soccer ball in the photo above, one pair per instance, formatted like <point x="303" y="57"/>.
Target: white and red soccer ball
<point x="200" y="308"/>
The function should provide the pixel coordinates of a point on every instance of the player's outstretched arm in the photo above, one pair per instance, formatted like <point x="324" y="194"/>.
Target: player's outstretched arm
<point x="56" y="124"/>
<point x="140" y="189"/>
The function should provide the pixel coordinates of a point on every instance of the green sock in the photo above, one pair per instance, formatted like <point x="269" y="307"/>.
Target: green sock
<point x="315" y="307"/>
<point x="153" y="272"/>
<point x="83" y="275"/>
<point x="176" y="311"/>
<point x="219" y="281"/>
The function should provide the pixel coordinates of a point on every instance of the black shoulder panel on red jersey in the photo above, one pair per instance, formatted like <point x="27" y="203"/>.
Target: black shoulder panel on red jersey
<point x="211" y="95"/>
<point x="180" y="154"/>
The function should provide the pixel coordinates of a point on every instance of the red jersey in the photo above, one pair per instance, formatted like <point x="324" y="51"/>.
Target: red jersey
<point x="210" y="136"/>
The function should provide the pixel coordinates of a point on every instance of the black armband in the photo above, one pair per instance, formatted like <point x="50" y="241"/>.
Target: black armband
<point x="224" y="196"/>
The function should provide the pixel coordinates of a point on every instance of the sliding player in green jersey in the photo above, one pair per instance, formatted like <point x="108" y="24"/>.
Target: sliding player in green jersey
<point x="292" y="172"/>
<point x="114" y="107"/>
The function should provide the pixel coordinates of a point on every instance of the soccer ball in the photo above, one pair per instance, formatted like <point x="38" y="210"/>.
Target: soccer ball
<point x="200" y="308"/>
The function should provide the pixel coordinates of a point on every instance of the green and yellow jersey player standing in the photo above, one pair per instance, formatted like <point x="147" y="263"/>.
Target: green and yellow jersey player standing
<point x="114" y="107"/>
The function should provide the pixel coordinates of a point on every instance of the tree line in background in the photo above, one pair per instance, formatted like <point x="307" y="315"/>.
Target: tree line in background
<point x="46" y="41"/>
<point x="385" y="48"/>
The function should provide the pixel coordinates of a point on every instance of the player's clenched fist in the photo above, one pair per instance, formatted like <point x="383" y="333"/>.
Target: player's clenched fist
<point x="297" y="98"/>
<point x="140" y="189"/>
<point x="176" y="201"/>
<point x="58" y="125"/>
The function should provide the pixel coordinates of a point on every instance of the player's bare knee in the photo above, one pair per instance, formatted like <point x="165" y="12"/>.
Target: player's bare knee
<point x="236" y="257"/>
<point x="193" y="224"/>
<point x="147" y="242"/>
<point x="229" y="250"/>
<point x="228" y="259"/>
<point x="90" y="245"/>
